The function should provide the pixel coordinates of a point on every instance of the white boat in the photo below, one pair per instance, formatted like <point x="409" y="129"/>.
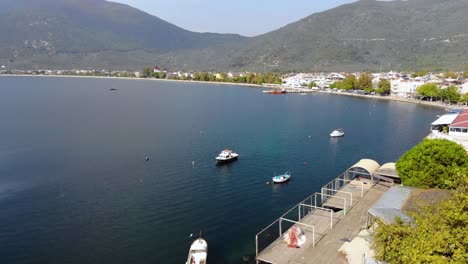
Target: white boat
<point x="226" y="156"/>
<point x="282" y="178"/>
<point x="198" y="252"/>
<point x="337" y="133"/>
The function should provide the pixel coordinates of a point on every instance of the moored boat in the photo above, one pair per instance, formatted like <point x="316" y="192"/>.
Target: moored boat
<point x="337" y="133"/>
<point x="282" y="91"/>
<point x="198" y="252"/>
<point x="226" y="156"/>
<point x="282" y="178"/>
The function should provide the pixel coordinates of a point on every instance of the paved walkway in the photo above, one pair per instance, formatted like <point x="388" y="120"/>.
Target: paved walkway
<point x="326" y="251"/>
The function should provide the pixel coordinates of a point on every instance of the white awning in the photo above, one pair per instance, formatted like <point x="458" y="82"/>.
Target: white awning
<point x="445" y="120"/>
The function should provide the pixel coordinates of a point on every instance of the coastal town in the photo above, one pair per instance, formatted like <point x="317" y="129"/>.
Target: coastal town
<point x="446" y="87"/>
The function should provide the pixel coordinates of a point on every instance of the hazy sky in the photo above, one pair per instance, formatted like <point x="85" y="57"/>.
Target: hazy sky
<point x="245" y="17"/>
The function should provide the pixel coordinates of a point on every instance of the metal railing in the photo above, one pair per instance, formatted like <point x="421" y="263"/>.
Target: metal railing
<point x="308" y="206"/>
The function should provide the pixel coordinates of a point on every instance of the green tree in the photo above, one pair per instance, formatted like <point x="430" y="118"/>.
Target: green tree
<point x="348" y="83"/>
<point x="196" y="76"/>
<point x="452" y="75"/>
<point x="419" y="74"/>
<point x="146" y="72"/>
<point x="211" y="77"/>
<point x="204" y="77"/>
<point x="450" y="94"/>
<point x="259" y="79"/>
<point x="365" y="82"/>
<point x="464" y="99"/>
<point x="250" y="78"/>
<point x="430" y="90"/>
<point x="433" y="163"/>
<point x="312" y="85"/>
<point x="162" y="75"/>
<point x="384" y="87"/>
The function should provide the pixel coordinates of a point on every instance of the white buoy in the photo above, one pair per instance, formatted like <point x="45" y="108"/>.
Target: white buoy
<point x="193" y="163"/>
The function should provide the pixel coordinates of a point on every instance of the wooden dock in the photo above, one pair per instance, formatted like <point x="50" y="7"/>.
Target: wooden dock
<point x="326" y="229"/>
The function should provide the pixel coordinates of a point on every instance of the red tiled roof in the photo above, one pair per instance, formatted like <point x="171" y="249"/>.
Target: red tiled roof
<point x="461" y="120"/>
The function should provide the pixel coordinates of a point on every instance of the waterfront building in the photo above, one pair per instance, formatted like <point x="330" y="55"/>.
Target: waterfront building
<point x="405" y="88"/>
<point x="459" y="126"/>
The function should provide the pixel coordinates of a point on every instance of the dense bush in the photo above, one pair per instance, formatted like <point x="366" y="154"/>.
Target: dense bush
<point x="433" y="163"/>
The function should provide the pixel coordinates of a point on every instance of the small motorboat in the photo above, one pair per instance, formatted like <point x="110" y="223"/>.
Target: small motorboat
<point x="198" y="252"/>
<point x="282" y="178"/>
<point x="337" y="133"/>
<point x="226" y="156"/>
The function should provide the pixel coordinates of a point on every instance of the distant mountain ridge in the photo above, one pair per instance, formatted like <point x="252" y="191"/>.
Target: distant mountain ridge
<point x="368" y="34"/>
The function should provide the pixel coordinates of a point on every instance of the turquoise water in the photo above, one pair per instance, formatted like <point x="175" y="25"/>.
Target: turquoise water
<point x="75" y="186"/>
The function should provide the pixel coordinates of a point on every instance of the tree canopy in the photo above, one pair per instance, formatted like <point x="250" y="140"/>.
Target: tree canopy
<point x="348" y="83"/>
<point x="433" y="163"/>
<point x="384" y="87"/>
<point x="365" y="82"/>
<point x="428" y="90"/>
<point x="439" y="233"/>
<point x="450" y="94"/>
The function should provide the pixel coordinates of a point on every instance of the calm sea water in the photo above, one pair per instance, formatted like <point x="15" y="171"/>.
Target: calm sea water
<point x="75" y="186"/>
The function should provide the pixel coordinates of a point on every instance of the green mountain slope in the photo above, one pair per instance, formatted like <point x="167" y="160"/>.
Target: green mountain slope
<point x="368" y="34"/>
<point x="52" y="30"/>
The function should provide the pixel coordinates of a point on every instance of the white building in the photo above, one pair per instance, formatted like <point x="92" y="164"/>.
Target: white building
<point x="464" y="88"/>
<point x="405" y="88"/>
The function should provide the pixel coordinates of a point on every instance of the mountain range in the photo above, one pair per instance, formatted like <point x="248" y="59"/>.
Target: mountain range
<point x="364" y="35"/>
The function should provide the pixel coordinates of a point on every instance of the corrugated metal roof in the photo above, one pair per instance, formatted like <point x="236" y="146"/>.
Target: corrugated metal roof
<point x="461" y="120"/>
<point x="390" y="204"/>
<point x="446" y="119"/>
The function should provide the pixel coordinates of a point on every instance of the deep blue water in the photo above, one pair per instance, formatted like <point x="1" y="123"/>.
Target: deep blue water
<point x="75" y="186"/>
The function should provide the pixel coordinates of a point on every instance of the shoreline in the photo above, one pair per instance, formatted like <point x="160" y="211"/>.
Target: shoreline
<point x="131" y="78"/>
<point x="400" y="99"/>
<point x="387" y="98"/>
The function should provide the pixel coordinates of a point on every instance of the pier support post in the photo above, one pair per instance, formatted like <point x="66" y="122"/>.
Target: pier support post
<point x="280" y="231"/>
<point x="299" y="212"/>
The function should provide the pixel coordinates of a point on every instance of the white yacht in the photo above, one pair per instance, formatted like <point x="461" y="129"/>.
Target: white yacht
<point x="226" y="156"/>
<point x="337" y="133"/>
<point x="198" y="252"/>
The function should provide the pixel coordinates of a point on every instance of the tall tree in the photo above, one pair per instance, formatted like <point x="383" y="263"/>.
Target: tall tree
<point x="384" y="87"/>
<point x="450" y="94"/>
<point x="452" y="75"/>
<point x="464" y="99"/>
<point x="430" y="90"/>
<point x="365" y="82"/>
<point x="146" y="72"/>
<point x="348" y="83"/>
